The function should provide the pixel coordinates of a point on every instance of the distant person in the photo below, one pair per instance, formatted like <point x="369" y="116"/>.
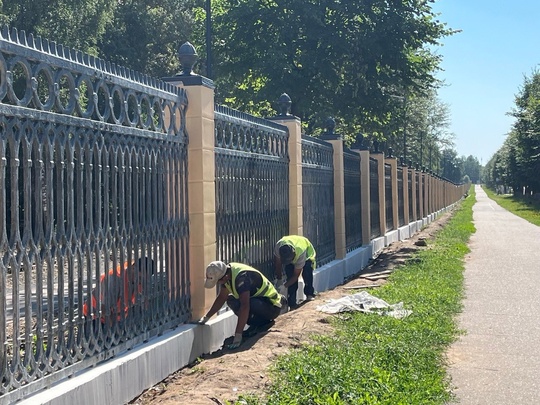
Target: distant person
<point x="297" y="255"/>
<point x="248" y="293"/>
<point x="118" y="291"/>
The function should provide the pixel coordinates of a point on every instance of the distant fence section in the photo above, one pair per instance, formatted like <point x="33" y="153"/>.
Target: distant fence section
<point x="374" y="198"/>
<point x="318" y="196"/>
<point x="252" y="188"/>
<point x="353" y="199"/>
<point x="109" y="215"/>
<point x="389" y="209"/>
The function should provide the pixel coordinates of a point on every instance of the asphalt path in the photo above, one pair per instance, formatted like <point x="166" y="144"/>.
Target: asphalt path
<point x="497" y="360"/>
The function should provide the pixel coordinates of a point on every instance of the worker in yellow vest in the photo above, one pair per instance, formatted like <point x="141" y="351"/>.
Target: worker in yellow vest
<point x="297" y="255"/>
<point x="248" y="293"/>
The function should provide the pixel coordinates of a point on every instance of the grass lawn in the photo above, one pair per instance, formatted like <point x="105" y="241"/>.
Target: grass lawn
<point x="524" y="207"/>
<point x="373" y="359"/>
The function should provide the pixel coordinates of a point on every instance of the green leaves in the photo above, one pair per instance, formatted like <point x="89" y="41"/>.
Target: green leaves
<point x="373" y="359"/>
<point x="517" y="162"/>
<point x="332" y="57"/>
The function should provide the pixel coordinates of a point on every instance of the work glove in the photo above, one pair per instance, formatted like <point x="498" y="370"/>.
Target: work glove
<point x="203" y="320"/>
<point x="282" y="290"/>
<point x="279" y="283"/>
<point x="236" y="341"/>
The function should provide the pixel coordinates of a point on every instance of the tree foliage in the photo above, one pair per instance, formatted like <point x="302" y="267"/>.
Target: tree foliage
<point x="472" y="168"/>
<point x="352" y="60"/>
<point x="517" y="162"/>
<point x="145" y="35"/>
<point x="422" y="129"/>
<point x="78" y="24"/>
<point x="333" y="58"/>
<point x="142" y="35"/>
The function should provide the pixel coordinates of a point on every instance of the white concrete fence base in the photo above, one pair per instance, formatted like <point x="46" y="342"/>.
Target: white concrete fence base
<point x="119" y="380"/>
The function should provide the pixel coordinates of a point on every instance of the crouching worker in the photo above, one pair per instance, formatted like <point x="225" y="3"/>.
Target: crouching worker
<point x="118" y="292"/>
<point x="297" y="255"/>
<point x="248" y="293"/>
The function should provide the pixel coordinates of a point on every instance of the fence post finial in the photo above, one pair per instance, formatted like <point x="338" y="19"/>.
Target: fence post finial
<point x="376" y="144"/>
<point x="188" y="56"/>
<point x="330" y="125"/>
<point x="284" y="105"/>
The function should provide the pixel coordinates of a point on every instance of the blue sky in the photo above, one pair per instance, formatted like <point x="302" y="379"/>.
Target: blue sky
<point x="484" y="67"/>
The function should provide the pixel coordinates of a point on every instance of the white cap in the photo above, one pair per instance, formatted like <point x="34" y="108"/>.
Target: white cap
<point x="214" y="272"/>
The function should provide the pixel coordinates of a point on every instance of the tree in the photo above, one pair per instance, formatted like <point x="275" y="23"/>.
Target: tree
<point x="451" y="167"/>
<point x="471" y="168"/>
<point x="525" y="146"/>
<point x="425" y="122"/>
<point x="142" y="35"/>
<point x="78" y="24"/>
<point x="333" y="58"/>
<point x="145" y="35"/>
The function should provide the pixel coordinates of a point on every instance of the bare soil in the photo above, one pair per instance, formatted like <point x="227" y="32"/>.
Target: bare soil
<point x="221" y="377"/>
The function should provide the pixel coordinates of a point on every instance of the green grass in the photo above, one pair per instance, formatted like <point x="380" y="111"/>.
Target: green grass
<point x="373" y="359"/>
<point x="524" y="207"/>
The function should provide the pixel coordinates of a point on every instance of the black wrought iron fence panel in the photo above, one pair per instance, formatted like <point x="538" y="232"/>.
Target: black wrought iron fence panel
<point x="374" y="206"/>
<point x="353" y="201"/>
<point x="93" y="211"/>
<point x="318" y="197"/>
<point x="388" y="206"/>
<point x="418" y="195"/>
<point x="401" y="197"/>
<point x="409" y="185"/>
<point x="252" y="188"/>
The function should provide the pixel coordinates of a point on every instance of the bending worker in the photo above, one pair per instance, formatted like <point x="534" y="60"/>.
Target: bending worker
<point x="119" y="290"/>
<point x="249" y="294"/>
<point x="297" y="255"/>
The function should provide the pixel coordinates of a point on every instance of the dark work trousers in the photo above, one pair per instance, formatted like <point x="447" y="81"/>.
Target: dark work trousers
<point x="307" y="275"/>
<point x="261" y="310"/>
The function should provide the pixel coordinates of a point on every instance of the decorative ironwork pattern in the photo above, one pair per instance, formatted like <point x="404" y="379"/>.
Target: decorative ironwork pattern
<point x="401" y="197"/>
<point x="89" y="181"/>
<point x="353" y="201"/>
<point x="39" y="74"/>
<point x="374" y="198"/>
<point x="318" y="197"/>
<point x="252" y="188"/>
<point x="389" y="209"/>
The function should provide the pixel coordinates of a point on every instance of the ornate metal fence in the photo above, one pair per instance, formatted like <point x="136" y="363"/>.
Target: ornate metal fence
<point x="401" y="197"/>
<point x="318" y="197"/>
<point x="353" y="206"/>
<point x="389" y="213"/>
<point x="252" y="188"/>
<point x="374" y="198"/>
<point x="92" y="177"/>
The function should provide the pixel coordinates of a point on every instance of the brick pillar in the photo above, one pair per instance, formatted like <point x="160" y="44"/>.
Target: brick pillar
<point x="339" y="198"/>
<point x="201" y="186"/>
<point x="296" y="215"/>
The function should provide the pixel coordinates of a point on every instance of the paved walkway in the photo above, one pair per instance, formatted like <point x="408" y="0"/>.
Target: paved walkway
<point x="497" y="361"/>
